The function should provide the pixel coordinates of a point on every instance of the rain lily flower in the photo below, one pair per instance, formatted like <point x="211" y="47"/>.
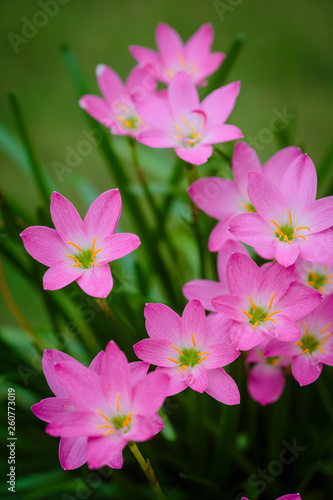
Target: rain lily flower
<point x="206" y="290"/>
<point x="291" y="496"/>
<point x="107" y="409"/>
<point x="289" y="223"/>
<point x="191" y="350"/>
<point x="262" y="303"/>
<point x="80" y="251"/>
<point x="318" y="276"/>
<point x="194" y="57"/>
<point x="222" y="199"/>
<point x="314" y="347"/>
<point x="73" y="450"/>
<point x="183" y="123"/>
<point x="116" y="109"/>
<point x="267" y="376"/>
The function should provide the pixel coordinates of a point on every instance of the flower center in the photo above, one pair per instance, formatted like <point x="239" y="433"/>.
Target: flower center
<point x="248" y="207"/>
<point x="85" y="259"/>
<point x="309" y="343"/>
<point x="183" y="65"/>
<point x="258" y="315"/>
<point x="117" y="421"/>
<point x="127" y="116"/>
<point x="318" y="281"/>
<point x="188" y="134"/>
<point x="189" y="357"/>
<point x="286" y="232"/>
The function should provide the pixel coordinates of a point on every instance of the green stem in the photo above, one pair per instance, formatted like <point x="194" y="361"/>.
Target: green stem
<point x="31" y="155"/>
<point x="192" y="176"/>
<point x="148" y="470"/>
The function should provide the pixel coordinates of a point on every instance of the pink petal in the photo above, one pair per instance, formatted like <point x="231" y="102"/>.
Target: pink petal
<point x="199" y="45"/>
<point x="276" y="166"/>
<point x="168" y="43"/>
<point x="193" y="328"/>
<point x="229" y="247"/>
<point x="97" y="281"/>
<point x="50" y="408"/>
<point x="110" y="83"/>
<point x="276" y="280"/>
<point x="144" y="55"/>
<point x="83" y="386"/>
<point x="138" y="371"/>
<point x="101" y="450"/>
<point x="243" y="275"/>
<point x="222" y="387"/>
<point x="318" y="248"/>
<point x="44" y="245"/>
<point x="252" y="230"/>
<point x="220" y="355"/>
<point x="204" y="290"/>
<point x="72" y="452"/>
<point x="156" y="112"/>
<point x="74" y="424"/>
<point x="140" y="82"/>
<point x="156" y="352"/>
<point x="219" y="103"/>
<point x="220" y="235"/>
<point x="196" y="378"/>
<point x="118" y="245"/>
<point x="299" y="301"/>
<point x="299" y="183"/>
<point x="318" y="215"/>
<point x="177" y="383"/>
<point x="231" y="306"/>
<point x="293" y="496"/>
<point x="286" y="254"/>
<point x="115" y="377"/>
<point x="215" y="196"/>
<point x="96" y="364"/>
<point x="60" y="275"/>
<point x="278" y="348"/>
<point x="244" y="160"/>
<point x="265" y="197"/>
<point x="155" y="138"/>
<point x="197" y="155"/>
<point x="183" y="95"/>
<point x="149" y="393"/>
<point x="218" y="329"/>
<point x="162" y="323"/>
<point x="103" y="215"/>
<point x="266" y="383"/>
<point x="285" y="329"/>
<point x="66" y="220"/>
<point x="143" y="428"/>
<point x="207" y="67"/>
<point x="245" y="337"/>
<point x="304" y="370"/>
<point x="98" y="109"/>
<point x="50" y="358"/>
<point x="222" y="133"/>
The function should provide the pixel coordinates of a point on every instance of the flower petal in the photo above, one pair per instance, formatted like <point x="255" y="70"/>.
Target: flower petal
<point x="286" y="253"/>
<point x="299" y="183"/>
<point x="138" y="371"/>
<point x="204" y="290"/>
<point x="115" y="377"/>
<point x="215" y="196"/>
<point x="222" y="387"/>
<point x="199" y="45"/>
<point x="278" y="348"/>
<point x="110" y="83"/>
<point x="50" y="358"/>
<point x="168" y="43"/>
<point x="276" y="166"/>
<point x="218" y="329"/>
<point x="220" y="235"/>
<point x="60" y="275"/>
<point x="219" y="103"/>
<point x="177" y="383"/>
<point x="102" y="450"/>
<point x="98" y="109"/>
<point x="243" y="275"/>
<point x="156" y="352"/>
<point x="74" y="424"/>
<point x="144" y="55"/>
<point x="318" y="214"/>
<point x="244" y="160"/>
<point x="318" y="248"/>
<point x="103" y="215"/>
<point x="222" y="133"/>
<point x="266" y="383"/>
<point x="193" y="328"/>
<point x="285" y="329"/>
<point x="231" y="306"/>
<point x="66" y="220"/>
<point x="162" y="323"/>
<point x="50" y="408"/>
<point x="143" y="428"/>
<point x="305" y="370"/>
<point x="72" y="452"/>
<point x="118" y="245"/>
<point x="156" y="112"/>
<point x="229" y="247"/>
<point x="97" y="281"/>
<point x="276" y="280"/>
<point x="183" y="95"/>
<point x="196" y="378"/>
<point x="149" y="393"/>
<point x="244" y="336"/>
<point x="265" y="197"/>
<point x="156" y="138"/>
<point x="252" y="230"/>
<point x="220" y="355"/>
<point x="44" y="245"/>
<point x="299" y="301"/>
<point x="197" y="155"/>
<point x="96" y="364"/>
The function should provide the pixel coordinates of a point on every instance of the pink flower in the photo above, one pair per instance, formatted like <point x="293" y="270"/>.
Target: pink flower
<point x="289" y="223"/>
<point x="291" y="496"/>
<point x="318" y="276"/>
<point x="262" y="302"/>
<point x="106" y="408"/>
<point x="194" y="57"/>
<point x="314" y="347"/>
<point x="266" y="377"/>
<point x="80" y="251"/>
<point x="191" y="350"/>
<point x="180" y="121"/>
<point x="206" y="290"/>
<point x="73" y="450"/>
<point x="116" y="109"/>
<point x="222" y="199"/>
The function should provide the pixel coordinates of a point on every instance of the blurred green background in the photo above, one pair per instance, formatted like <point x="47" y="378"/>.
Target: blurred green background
<point x="286" y="63"/>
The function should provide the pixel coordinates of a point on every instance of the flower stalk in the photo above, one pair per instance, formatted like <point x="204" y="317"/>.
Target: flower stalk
<point x="148" y="470"/>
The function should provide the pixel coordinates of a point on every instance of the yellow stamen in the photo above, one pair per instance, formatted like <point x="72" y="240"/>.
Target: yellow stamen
<point x="306" y="329"/>
<point x="121" y="106"/>
<point x="312" y="283"/>
<point x="302" y="227"/>
<point x="301" y="236"/>
<point x="183" y="119"/>
<point x="327" y="327"/>
<point x="321" y="349"/>
<point x="95" y="252"/>
<point x="272" y="314"/>
<point x="195" y="135"/>
<point x="93" y="246"/>
<point x="325" y="338"/>
<point x="277" y="225"/>
<point x="201" y="353"/>
<point x="253" y="304"/>
<point x="269" y="319"/>
<point x="256" y="324"/>
<point x="246" y="205"/>
<point x="305" y="351"/>
<point x="170" y="73"/>
<point x="182" y="61"/>
<point x="74" y="258"/>
<point x="74" y="245"/>
<point x="76" y="265"/>
<point x="314" y="276"/>
<point x="328" y="282"/>
<point x="299" y="343"/>
<point x="247" y="314"/>
<point x="322" y="290"/>
<point x="195" y="345"/>
<point x="102" y="427"/>
<point x="173" y="360"/>
<point x="271" y="302"/>
<point x="286" y="238"/>
<point x="118" y="394"/>
<point x="290" y="219"/>
<point x="182" y="368"/>
<point x="109" y="432"/>
<point x="329" y="276"/>
<point x="279" y="232"/>
<point x="179" y="130"/>
<point x="127" y="419"/>
<point x="178" y="350"/>
<point x="200" y="360"/>
<point x="102" y="414"/>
